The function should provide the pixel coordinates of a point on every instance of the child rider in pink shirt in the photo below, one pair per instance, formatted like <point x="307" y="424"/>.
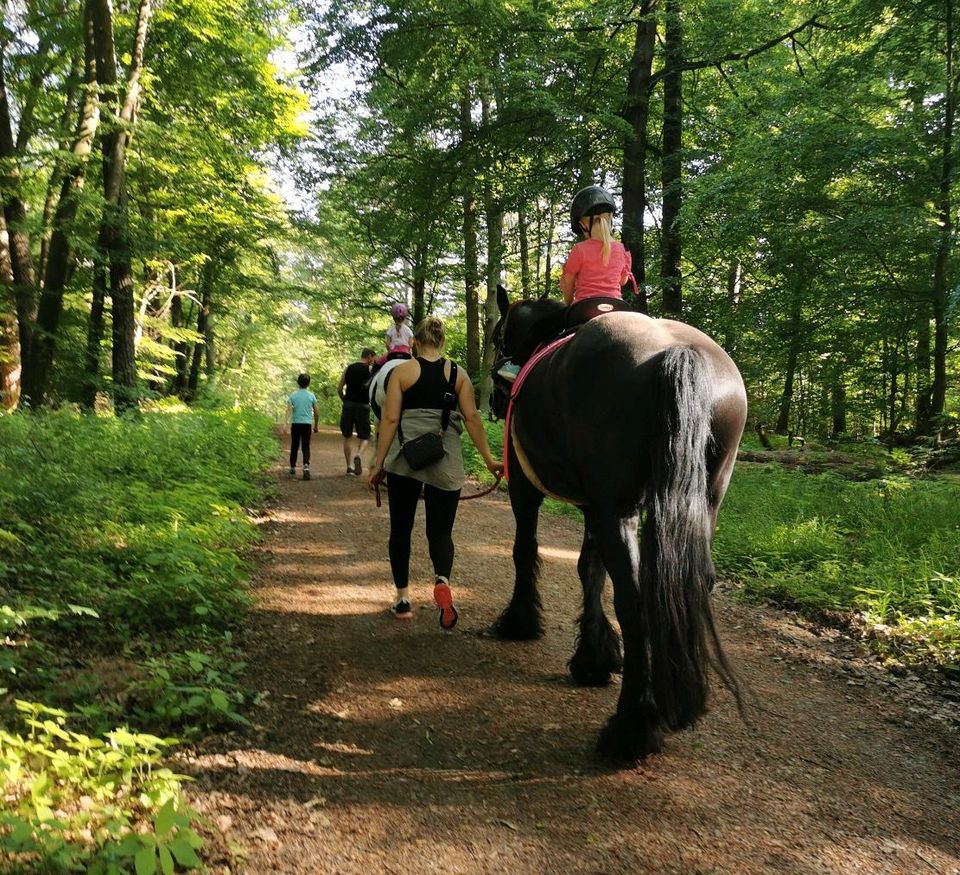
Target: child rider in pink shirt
<point x="598" y="265"/>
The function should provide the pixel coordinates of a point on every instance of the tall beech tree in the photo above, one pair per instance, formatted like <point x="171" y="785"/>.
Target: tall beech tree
<point x="114" y="243"/>
<point x="57" y="253"/>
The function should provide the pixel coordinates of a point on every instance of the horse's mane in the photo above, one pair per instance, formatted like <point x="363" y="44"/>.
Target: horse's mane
<point x="541" y="308"/>
<point x="531" y="322"/>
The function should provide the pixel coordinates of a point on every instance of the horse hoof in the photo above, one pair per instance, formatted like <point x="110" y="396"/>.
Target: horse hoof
<point x="515" y="625"/>
<point x="586" y="674"/>
<point x="625" y="744"/>
<point x="589" y="671"/>
<point x="590" y="679"/>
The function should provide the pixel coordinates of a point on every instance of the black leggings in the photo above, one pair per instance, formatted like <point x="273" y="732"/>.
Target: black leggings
<point x="441" y="508"/>
<point x="300" y="434"/>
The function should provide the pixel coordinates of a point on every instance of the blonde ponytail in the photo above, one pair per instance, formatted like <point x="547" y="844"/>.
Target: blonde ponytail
<point x="601" y="226"/>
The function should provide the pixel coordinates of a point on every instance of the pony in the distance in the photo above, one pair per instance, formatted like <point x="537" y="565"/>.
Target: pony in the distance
<point x="636" y="421"/>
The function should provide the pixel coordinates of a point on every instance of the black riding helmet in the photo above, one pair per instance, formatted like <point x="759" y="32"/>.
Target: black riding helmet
<point x="590" y="201"/>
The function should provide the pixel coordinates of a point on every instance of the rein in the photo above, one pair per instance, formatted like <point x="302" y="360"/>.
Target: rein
<point x="487" y="491"/>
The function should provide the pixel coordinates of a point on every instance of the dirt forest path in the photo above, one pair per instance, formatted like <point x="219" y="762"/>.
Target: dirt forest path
<point x="391" y="747"/>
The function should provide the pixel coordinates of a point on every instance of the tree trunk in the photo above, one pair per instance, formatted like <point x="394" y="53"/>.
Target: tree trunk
<point x="637" y="113"/>
<point x="95" y="331"/>
<point x="471" y="267"/>
<point x="182" y="348"/>
<point x="123" y="313"/>
<point x="922" y="365"/>
<point x="491" y="312"/>
<point x="176" y="321"/>
<point x="734" y="280"/>
<point x="15" y="216"/>
<point x="210" y="345"/>
<point x="59" y="259"/>
<point x="893" y="370"/>
<point x="536" y="278"/>
<point x="419" y="282"/>
<point x="61" y="165"/>
<point x="523" y="230"/>
<point x="794" y="340"/>
<point x="548" y="265"/>
<point x="838" y="406"/>
<point x="10" y="367"/>
<point x="671" y="164"/>
<point x="944" y="208"/>
<point x="115" y="226"/>
<point x="206" y="281"/>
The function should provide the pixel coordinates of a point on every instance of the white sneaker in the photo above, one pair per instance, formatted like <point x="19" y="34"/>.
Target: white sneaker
<point x="509" y="371"/>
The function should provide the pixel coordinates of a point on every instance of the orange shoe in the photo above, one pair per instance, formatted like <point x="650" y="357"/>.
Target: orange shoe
<point x="444" y="599"/>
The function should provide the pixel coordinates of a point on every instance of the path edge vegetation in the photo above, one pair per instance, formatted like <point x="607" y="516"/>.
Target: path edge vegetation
<point x="123" y="581"/>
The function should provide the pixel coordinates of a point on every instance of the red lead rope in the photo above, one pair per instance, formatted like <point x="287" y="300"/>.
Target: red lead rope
<point x="487" y="491"/>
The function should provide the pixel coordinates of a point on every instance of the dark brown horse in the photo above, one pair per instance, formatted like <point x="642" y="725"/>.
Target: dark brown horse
<point x="636" y="421"/>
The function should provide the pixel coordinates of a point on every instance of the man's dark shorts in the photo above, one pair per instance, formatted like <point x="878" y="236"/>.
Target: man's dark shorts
<point x="355" y="417"/>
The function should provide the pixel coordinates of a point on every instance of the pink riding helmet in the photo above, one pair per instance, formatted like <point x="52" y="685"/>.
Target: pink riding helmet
<point x="399" y="311"/>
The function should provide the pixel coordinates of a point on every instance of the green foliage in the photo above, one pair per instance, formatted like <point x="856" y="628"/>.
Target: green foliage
<point x="120" y="576"/>
<point x="195" y="690"/>
<point x="472" y="462"/>
<point x="73" y="802"/>
<point x="139" y="520"/>
<point x="888" y="549"/>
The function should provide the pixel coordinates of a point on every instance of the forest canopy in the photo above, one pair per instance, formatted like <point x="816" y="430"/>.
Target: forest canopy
<point x="201" y="199"/>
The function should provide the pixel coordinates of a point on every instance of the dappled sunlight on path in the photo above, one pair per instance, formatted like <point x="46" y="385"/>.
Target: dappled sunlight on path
<point x="388" y="746"/>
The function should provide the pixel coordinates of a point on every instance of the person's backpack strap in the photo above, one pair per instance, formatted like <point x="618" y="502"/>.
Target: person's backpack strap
<point x="449" y="398"/>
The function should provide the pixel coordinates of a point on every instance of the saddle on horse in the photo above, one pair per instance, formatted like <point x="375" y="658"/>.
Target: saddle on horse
<point x="506" y="370"/>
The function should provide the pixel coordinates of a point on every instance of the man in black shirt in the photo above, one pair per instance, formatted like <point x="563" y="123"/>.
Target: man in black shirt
<point x="356" y="409"/>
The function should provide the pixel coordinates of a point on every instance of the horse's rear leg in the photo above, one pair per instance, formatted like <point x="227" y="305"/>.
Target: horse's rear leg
<point x="598" y="653"/>
<point x="636" y="729"/>
<point x="520" y="620"/>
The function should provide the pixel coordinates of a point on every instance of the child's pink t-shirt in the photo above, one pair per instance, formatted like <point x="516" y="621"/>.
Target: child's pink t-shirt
<point x="593" y="278"/>
<point x="399" y="338"/>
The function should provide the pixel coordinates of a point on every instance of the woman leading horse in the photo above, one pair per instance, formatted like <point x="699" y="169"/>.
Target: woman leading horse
<point x="636" y="421"/>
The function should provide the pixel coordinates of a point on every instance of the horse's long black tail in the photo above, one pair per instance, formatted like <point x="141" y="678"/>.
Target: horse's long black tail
<point x="676" y="571"/>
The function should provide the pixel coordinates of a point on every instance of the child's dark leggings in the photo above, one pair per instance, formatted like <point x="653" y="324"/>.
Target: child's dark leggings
<point x="300" y="434"/>
<point x="441" y="511"/>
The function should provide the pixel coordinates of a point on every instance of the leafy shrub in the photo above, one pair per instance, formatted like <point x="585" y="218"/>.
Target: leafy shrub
<point x="77" y="803"/>
<point x="193" y="689"/>
<point x="140" y="520"/>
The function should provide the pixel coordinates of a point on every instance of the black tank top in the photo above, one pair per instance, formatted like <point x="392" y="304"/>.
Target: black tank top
<point x="431" y="386"/>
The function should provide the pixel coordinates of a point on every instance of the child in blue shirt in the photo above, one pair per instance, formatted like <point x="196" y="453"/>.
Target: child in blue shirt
<point x="302" y="410"/>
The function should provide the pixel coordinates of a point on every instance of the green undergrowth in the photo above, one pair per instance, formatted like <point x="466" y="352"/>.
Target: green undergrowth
<point x="122" y="575"/>
<point x="886" y="549"/>
<point x="885" y="552"/>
